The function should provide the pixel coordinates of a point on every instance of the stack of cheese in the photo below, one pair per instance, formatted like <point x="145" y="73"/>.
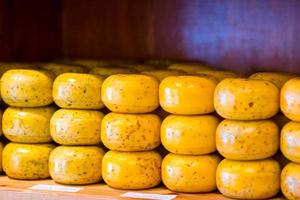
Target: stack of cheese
<point x="189" y="133"/>
<point x="26" y="123"/>
<point x="77" y="127"/>
<point x="130" y="133"/>
<point x="247" y="138"/>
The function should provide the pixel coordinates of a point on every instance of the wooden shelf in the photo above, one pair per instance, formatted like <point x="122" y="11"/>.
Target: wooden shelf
<point x="18" y="189"/>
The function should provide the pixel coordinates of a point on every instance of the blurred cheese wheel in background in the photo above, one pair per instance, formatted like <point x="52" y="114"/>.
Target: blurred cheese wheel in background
<point x="57" y="69"/>
<point x="248" y="179"/>
<point x="26" y="88"/>
<point x="160" y="74"/>
<point x="89" y="63"/>
<point x="247" y="140"/>
<point x="26" y="161"/>
<point x="244" y="99"/>
<point x="110" y="70"/>
<point x="219" y="75"/>
<point x="190" y="67"/>
<point x="187" y="95"/>
<point x="27" y="125"/>
<point x="277" y="78"/>
<point x="76" y="164"/>
<point x="130" y="93"/>
<point x="78" y="91"/>
<point x="290" y="141"/>
<point x="76" y="127"/>
<point x="139" y="67"/>
<point x="131" y="132"/>
<point x="189" y="135"/>
<point x="193" y="174"/>
<point x="5" y="66"/>
<point x="290" y="181"/>
<point x="131" y="170"/>
<point x="290" y="99"/>
<point x="160" y="62"/>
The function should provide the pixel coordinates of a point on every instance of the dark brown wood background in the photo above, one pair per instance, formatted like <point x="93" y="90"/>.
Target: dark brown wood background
<point x="234" y="34"/>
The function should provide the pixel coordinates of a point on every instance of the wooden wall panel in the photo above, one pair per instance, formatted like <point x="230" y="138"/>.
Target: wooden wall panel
<point x="236" y="34"/>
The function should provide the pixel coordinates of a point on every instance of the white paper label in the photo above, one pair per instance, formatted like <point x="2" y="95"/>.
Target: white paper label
<point x="57" y="188"/>
<point x="149" y="196"/>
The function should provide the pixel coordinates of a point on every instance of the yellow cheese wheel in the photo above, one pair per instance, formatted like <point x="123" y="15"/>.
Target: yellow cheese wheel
<point x="57" y="68"/>
<point x="280" y="119"/>
<point x="130" y="132"/>
<point x="290" y="181"/>
<point x="76" y="127"/>
<point x="26" y="161"/>
<point x="290" y="141"/>
<point x="131" y="170"/>
<point x="219" y="74"/>
<point x="247" y="140"/>
<point x="290" y="99"/>
<point x="76" y="164"/>
<point x="130" y="93"/>
<point x="27" y="125"/>
<point x="78" y="91"/>
<point x="26" y="88"/>
<point x="248" y="179"/>
<point x="182" y="173"/>
<point x="160" y="74"/>
<point x="1" y="123"/>
<point x="110" y="70"/>
<point x="190" y="67"/>
<point x="187" y="95"/>
<point x="189" y="135"/>
<point x="1" y="149"/>
<point x="245" y="99"/>
<point x="277" y="78"/>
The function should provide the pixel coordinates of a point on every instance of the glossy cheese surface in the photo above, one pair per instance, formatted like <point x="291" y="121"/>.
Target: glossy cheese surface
<point x="278" y="78"/>
<point x="26" y="88"/>
<point x="110" y="70"/>
<point x="290" y="141"/>
<point x="187" y="95"/>
<point x="76" y="127"/>
<point x="189" y="135"/>
<point x="26" y="161"/>
<point x="160" y="74"/>
<point x="130" y="132"/>
<point x="192" y="174"/>
<point x="248" y="179"/>
<point x="131" y="170"/>
<point x="244" y="99"/>
<point x="247" y="140"/>
<point x="78" y="91"/>
<point x="27" y="125"/>
<point x="131" y="93"/>
<point x="218" y="74"/>
<point x="190" y="67"/>
<point x="290" y="181"/>
<point x="290" y="99"/>
<point x="76" y="164"/>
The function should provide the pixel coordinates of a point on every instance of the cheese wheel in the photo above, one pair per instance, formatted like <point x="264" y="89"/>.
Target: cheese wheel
<point x="130" y="93"/>
<point x="244" y="99"/>
<point x="248" y="179"/>
<point x="219" y="74"/>
<point x="190" y="67"/>
<point x="160" y="74"/>
<point x="1" y="149"/>
<point x="247" y="140"/>
<point x="189" y="135"/>
<point x="27" y="125"/>
<point x="182" y="173"/>
<point x="78" y="91"/>
<point x="76" y="127"/>
<point x="131" y="170"/>
<point x="110" y="70"/>
<point x="290" y="181"/>
<point x="76" y="164"/>
<point x="187" y="95"/>
<point x="290" y="99"/>
<point x="1" y="129"/>
<point x="130" y="132"/>
<point x="26" y="88"/>
<point x="290" y="141"/>
<point x="5" y="66"/>
<point x="277" y="78"/>
<point x="57" y="68"/>
<point x="26" y="161"/>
